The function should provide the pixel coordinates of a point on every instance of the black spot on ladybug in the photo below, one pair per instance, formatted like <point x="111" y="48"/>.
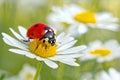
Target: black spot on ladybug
<point x="36" y="25"/>
<point x="32" y="34"/>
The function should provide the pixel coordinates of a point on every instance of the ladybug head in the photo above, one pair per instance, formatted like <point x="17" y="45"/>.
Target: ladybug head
<point x="50" y="37"/>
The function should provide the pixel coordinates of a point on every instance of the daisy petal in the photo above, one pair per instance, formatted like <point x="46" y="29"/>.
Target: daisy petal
<point x="64" y="38"/>
<point x="114" y="74"/>
<point x="39" y="58"/>
<point x="30" y="55"/>
<point x="72" y="56"/>
<point x="66" y="41"/>
<point x="67" y="45"/>
<point x="14" y="42"/>
<point x="60" y="36"/>
<point x="104" y="76"/>
<point x="22" y="52"/>
<point x="51" y="64"/>
<point x="18" y="51"/>
<point x="73" y="50"/>
<point x="16" y="34"/>
<point x="7" y="42"/>
<point x="71" y="63"/>
<point x="82" y="29"/>
<point x="60" y="58"/>
<point x="22" y="31"/>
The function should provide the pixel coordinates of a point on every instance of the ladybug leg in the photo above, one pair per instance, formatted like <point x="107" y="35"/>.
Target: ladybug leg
<point x="45" y="46"/>
<point x="27" y="40"/>
<point x="37" y="45"/>
<point x="43" y="41"/>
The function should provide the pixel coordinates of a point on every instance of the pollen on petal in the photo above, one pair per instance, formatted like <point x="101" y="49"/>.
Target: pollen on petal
<point x="101" y="52"/>
<point x="65" y="24"/>
<point x="42" y="49"/>
<point x="85" y="17"/>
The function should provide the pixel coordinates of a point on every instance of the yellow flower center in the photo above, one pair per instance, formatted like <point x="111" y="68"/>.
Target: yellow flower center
<point x="85" y="17"/>
<point x="101" y="52"/>
<point x="42" y="49"/>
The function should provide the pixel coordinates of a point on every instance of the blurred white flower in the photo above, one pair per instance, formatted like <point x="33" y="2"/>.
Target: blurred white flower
<point x="102" y="52"/>
<point x="78" y="20"/>
<point x="63" y="51"/>
<point x="12" y="78"/>
<point x="86" y="76"/>
<point x="1" y="2"/>
<point x="112" y="74"/>
<point x="26" y="73"/>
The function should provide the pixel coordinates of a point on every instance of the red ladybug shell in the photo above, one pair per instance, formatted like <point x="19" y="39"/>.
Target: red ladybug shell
<point x="37" y="30"/>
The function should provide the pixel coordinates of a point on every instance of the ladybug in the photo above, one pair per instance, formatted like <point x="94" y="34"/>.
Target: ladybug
<point x="41" y="31"/>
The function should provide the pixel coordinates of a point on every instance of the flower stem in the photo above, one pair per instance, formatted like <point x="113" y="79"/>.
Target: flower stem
<point x="60" y="71"/>
<point x="38" y="70"/>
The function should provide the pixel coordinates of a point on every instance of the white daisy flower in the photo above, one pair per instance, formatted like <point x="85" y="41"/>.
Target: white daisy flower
<point x="63" y="51"/>
<point x="112" y="74"/>
<point x="79" y="20"/>
<point x="102" y="51"/>
<point x="26" y="73"/>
